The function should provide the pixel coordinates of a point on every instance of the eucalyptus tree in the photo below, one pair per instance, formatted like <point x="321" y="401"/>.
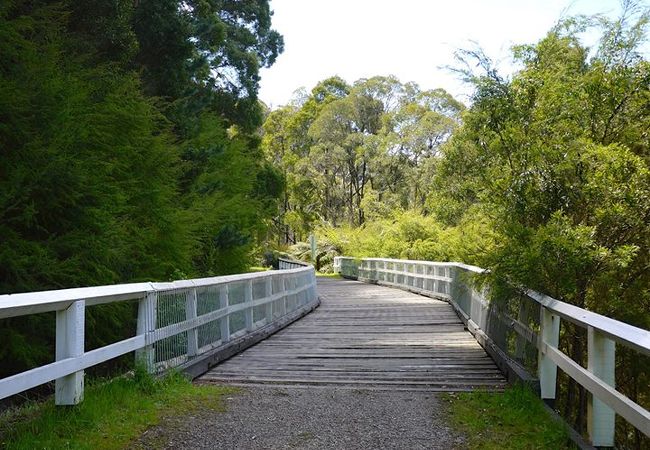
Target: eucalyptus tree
<point x="412" y="137"/>
<point x="286" y="142"/>
<point x="349" y="150"/>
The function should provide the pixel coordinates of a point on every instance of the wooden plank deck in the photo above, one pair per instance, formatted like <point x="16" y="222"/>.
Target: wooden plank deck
<point x="367" y="336"/>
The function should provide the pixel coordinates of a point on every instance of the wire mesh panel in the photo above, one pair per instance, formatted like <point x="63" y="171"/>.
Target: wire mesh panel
<point x="192" y="320"/>
<point x="170" y="309"/>
<point x="236" y="297"/>
<point x="259" y="292"/>
<point x="209" y="299"/>
<point x="278" y="305"/>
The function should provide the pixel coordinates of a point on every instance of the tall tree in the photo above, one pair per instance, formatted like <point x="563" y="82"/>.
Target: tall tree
<point x="352" y="150"/>
<point x="557" y="156"/>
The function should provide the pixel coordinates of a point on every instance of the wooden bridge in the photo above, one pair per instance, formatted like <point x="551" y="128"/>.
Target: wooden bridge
<point x="368" y="336"/>
<point x="403" y="325"/>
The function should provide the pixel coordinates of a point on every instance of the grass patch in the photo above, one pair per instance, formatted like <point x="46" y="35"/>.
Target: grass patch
<point x="514" y="419"/>
<point x="329" y="275"/>
<point x="258" y="269"/>
<point x="112" y="415"/>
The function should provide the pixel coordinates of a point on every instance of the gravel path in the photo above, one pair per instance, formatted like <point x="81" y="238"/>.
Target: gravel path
<point x="322" y="418"/>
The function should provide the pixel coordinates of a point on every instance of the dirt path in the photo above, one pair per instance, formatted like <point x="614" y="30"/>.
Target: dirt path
<point x="313" y="418"/>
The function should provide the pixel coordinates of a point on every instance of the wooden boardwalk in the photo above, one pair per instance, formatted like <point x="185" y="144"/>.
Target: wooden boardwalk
<point x="368" y="336"/>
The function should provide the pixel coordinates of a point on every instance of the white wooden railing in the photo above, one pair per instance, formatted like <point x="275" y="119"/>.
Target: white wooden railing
<point x="536" y="324"/>
<point x="285" y="264"/>
<point x="178" y="322"/>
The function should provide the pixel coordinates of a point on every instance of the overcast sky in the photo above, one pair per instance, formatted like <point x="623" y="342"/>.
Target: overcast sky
<point x="411" y="39"/>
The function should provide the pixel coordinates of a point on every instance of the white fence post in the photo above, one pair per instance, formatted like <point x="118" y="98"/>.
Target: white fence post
<point x="248" y="300"/>
<point x="601" y="362"/>
<point x="549" y="335"/>
<point x="224" y="322"/>
<point x="147" y="313"/>
<point x="268" y="293"/>
<point x="285" y="296"/>
<point x="190" y="313"/>
<point x="70" y="322"/>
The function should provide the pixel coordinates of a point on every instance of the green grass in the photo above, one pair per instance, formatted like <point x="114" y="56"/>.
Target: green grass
<point x="113" y="414"/>
<point x="514" y="419"/>
<point x="258" y="269"/>
<point x="328" y="275"/>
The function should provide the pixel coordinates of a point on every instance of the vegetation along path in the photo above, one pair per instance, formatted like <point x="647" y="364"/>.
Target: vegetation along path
<point x="362" y="371"/>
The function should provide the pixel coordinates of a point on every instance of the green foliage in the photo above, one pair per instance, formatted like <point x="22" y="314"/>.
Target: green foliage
<point x="228" y="205"/>
<point x="112" y="415"/>
<point x="129" y="148"/>
<point x="557" y="157"/>
<point x="353" y="153"/>
<point x="410" y="235"/>
<point x="325" y="253"/>
<point x="514" y="419"/>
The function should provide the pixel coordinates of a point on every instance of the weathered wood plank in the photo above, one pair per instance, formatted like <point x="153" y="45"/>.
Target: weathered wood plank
<point x="368" y="336"/>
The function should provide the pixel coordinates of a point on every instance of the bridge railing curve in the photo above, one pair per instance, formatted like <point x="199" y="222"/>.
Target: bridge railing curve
<point x="187" y="324"/>
<point x="522" y="334"/>
<point x="285" y="264"/>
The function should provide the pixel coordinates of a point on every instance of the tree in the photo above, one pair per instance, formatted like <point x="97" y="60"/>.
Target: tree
<point x="130" y="150"/>
<point x="347" y="151"/>
<point x="556" y="156"/>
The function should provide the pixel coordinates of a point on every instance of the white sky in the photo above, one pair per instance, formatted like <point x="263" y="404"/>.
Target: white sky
<point x="411" y="39"/>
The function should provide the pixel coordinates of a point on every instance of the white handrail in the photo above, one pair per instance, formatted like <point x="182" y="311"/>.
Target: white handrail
<point x="445" y="280"/>
<point x="179" y="311"/>
<point x="628" y="335"/>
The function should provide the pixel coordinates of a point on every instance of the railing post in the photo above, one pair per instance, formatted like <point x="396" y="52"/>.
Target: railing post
<point x="433" y="271"/>
<point x="248" y="299"/>
<point x="303" y="281"/>
<point x="146" y="324"/>
<point x="314" y="286"/>
<point x="268" y="293"/>
<point x="224" y="322"/>
<point x="284" y="297"/>
<point x="425" y="280"/>
<point x="69" y="390"/>
<point x="549" y="335"/>
<point x="447" y="273"/>
<point x="190" y="313"/>
<point x="601" y="362"/>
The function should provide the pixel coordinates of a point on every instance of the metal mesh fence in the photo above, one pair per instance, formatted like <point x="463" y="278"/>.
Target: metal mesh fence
<point x="170" y="309"/>
<point x="190" y="321"/>
<point x="210" y="299"/>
